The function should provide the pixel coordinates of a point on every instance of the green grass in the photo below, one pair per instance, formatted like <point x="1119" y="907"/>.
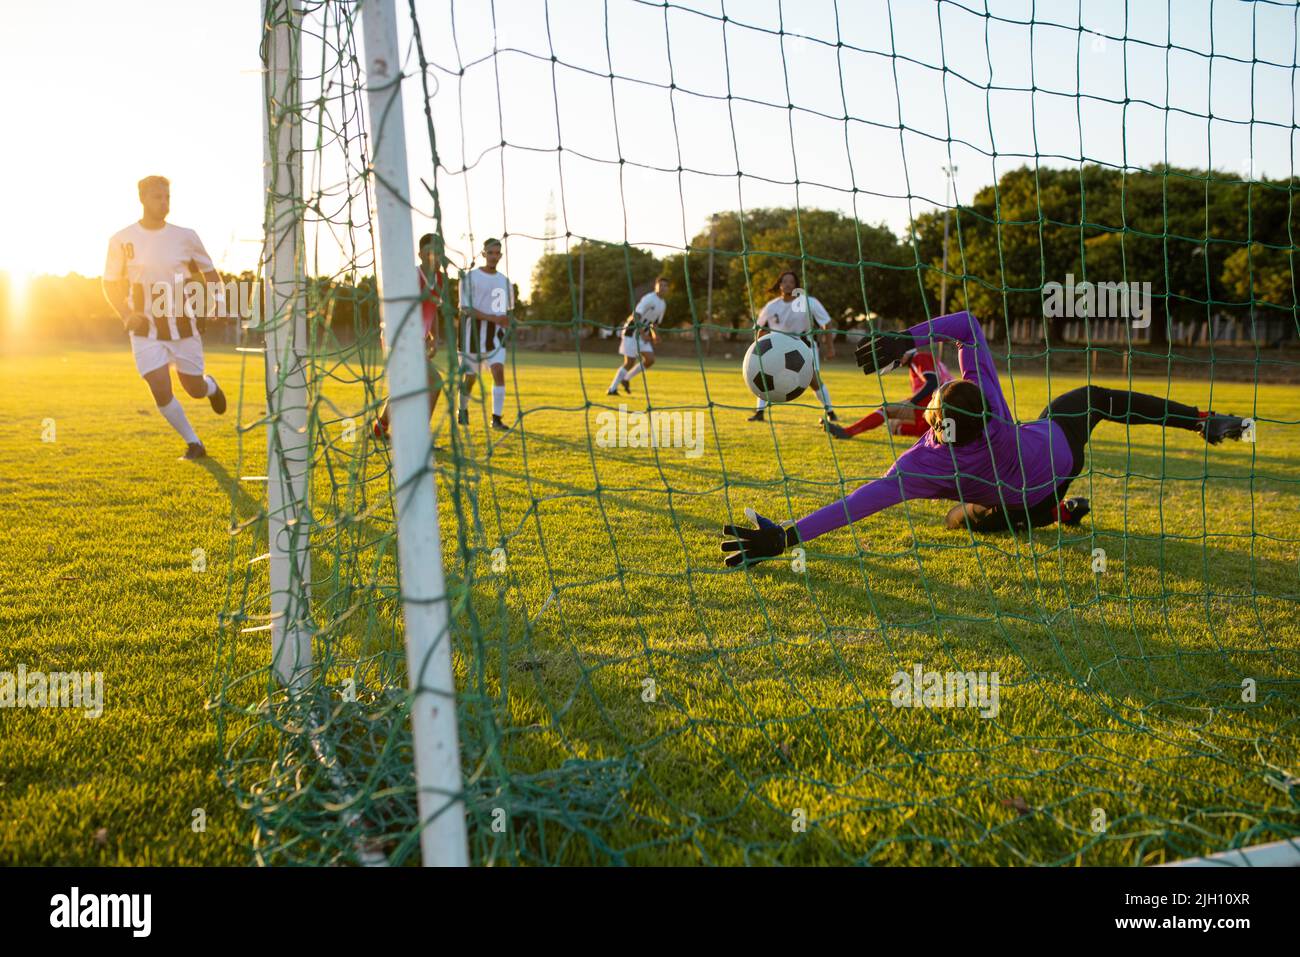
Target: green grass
<point x="96" y="563"/>
<point x="1120" y="691"/>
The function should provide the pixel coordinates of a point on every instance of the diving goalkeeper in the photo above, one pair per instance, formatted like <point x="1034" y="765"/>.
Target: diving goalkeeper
<point x="1003" y="474"/>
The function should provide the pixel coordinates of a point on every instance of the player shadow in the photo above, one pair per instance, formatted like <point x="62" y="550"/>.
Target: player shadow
<point x="1224" y="571"/>
<point x="1149" y="454"/>
<point x="1194" y="559"/>
<point x="246" y="506"/>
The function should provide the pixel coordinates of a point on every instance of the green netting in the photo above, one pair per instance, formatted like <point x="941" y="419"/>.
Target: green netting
<point x="622" y="697"/>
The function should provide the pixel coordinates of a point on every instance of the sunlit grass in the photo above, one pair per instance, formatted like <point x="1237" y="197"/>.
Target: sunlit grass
<point x="1120" y="691"/>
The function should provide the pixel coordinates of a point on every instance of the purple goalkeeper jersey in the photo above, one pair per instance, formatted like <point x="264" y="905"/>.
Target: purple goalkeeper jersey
<point x="1011" y="465"/>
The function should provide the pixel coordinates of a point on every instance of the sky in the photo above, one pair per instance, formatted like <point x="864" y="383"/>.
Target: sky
<point x="696" y="120"/>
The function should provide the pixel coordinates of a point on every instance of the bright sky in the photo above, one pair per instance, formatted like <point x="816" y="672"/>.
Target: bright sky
<point x="101" y="94"/>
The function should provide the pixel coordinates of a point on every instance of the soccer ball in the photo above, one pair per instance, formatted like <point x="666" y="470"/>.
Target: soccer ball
<point x="778" y="367"/>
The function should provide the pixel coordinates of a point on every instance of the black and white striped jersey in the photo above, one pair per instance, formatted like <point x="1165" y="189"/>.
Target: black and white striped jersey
<point x="490" y="293"/>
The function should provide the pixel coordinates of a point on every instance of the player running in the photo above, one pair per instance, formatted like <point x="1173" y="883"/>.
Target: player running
<point x="639" y="337"/>
<point x="430" y="273"/>
<point x="145" y="273"/>
<point x="486" y="300"/>
<point x="1004" y="474"/>
<point x="904" y="418"/>
<point x="789" y="312"/>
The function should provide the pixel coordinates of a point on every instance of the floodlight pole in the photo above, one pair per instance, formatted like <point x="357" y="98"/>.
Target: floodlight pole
<point x="949" y="172"/>
<point x="419" y="547"/>
<point x="283" y="318"/>
<point x="950" y="190"/>
<point x="708" y="300"/>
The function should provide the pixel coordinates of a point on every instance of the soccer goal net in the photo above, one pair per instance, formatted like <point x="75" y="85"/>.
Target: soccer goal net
<point x="477" y="609"/>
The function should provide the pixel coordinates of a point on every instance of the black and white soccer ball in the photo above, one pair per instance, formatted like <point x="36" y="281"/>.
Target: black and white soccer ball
<point x="778" y="367"/>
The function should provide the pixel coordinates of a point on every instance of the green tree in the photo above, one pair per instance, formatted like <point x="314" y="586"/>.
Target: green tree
<point x="613" y="277"/>
<point x="852" y="267"/>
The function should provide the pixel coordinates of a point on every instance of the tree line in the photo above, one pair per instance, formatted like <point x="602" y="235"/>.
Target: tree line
<point x="1209" y="244"/>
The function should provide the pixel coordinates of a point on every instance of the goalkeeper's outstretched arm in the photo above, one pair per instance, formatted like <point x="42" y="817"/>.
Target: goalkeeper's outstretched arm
<point x="768" y="539"/>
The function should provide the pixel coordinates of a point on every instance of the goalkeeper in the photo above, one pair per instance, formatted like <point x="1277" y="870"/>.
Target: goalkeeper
<point x="1004" y="474"/>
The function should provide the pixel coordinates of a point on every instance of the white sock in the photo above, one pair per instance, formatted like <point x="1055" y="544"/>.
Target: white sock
<point x="633" y="372"/>
<point x="212" y="384"/>
<point x="498" y="399"/>
<point x="618" y="377"/>
<point x="174" y="413"/>
<point x="825" y="395"/>
<point x="762" y="404"/>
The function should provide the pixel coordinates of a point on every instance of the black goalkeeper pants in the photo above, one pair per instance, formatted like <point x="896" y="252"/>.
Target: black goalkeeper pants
<point x="1077" y="413"/>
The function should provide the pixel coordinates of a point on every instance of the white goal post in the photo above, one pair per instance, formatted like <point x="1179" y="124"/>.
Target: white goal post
<point x="284" y="322"/>
<point x="424" y="594"/>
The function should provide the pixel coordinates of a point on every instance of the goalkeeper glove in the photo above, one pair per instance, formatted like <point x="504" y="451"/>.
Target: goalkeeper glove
<point x="882" y="352"/>
<point x="746" y="546"/>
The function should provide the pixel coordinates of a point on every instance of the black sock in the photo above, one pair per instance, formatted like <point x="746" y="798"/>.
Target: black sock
<point x="1137" y="408"/>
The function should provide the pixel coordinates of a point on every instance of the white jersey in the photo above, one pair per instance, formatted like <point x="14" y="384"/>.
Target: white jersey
<point x="489" y="293"/>
<point x="157" y="263"/>
<point x="651" y="311"/>
<point x="793" y="316"/>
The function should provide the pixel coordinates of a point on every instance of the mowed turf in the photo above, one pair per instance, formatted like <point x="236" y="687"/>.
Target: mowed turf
<point x="97" y="555"/>
<point x="732" y="706"/>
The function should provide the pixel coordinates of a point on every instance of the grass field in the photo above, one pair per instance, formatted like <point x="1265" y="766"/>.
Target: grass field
<point x="1120" y="691"/>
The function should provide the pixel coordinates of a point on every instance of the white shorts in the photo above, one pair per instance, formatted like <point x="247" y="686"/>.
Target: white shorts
<point x="472" y="364"/>
<point x="186" y="354"/>
<point x="632" y="345"/>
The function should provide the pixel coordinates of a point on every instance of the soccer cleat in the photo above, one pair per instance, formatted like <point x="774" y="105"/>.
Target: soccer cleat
<point x="1215" y="428"/>
<point x="611" y="391"/>
<point x="218" y="401"/>
<point x="626" y="387"/>
<point x="379" y="430"/>
<point x="193" y="452"/>
<point x="830" y="415"/>
<point x="498" y="425"/>
<point x="462" y="417"/>
<point x="1072" y="510"/>
<point x="756" y="417"/>
<point x="838" y="431"/>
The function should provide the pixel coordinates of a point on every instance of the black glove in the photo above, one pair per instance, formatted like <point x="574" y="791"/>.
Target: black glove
<point x="882" y="352"/>
<point x="750" y="545"/>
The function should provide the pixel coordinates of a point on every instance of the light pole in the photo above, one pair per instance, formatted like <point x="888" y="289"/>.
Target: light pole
<point x="950" y="189"/>
<point x="708" y="300"/>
